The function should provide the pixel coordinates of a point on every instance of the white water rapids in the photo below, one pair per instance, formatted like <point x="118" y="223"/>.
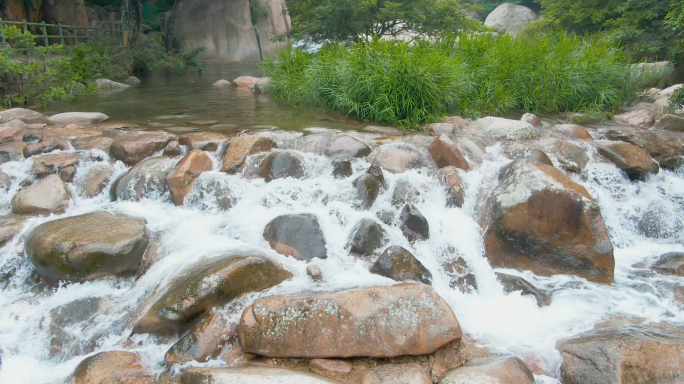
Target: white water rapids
<point x="503" y="322"/>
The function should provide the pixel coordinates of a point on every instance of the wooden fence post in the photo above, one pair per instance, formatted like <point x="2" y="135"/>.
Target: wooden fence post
<point x="46" y="40"/>
<point x="61" y="33"/>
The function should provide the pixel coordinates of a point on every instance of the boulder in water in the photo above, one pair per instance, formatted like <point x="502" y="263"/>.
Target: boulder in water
<point x="133" y="147"/>
<point x="222" y="83"/>
<point x="248" y="81"/>
<point x="182" y="176"/>
<point x="172" y="149"/>
<point x="368" y="189"/>
<point x="132" y="81"/>
<point x="670" y="264"/>
<point x="241" y="147"/>
<point x="45" y="145"/>
<point x="88" y="247"/>
<point x="12" y="151"/>
<point x="537" y="218"/>
<point x="529" y="118"/>
<point x="145" y="179"/>
<point x="663" y="147"/>
<point x="314" y="272"/>
<point x="397" y="158"/>
<point x="43" y="197"/>
<point x="23" y="114"/>
<point x="571" y="132"/>
<point x="97" y="180"/>
<point x="342" y="169"/>
<point x="414" y="225"/>
<point x="10" y="226"/>
<point x="404" y="193"/>
<point x="203" y="286"/>
<point x="206" y="141"/>
<point x="638" y="118"/>
<point x="210" y="192"/>
<point x="451" y="179"/>
<point x="106" y="84"/>
<point x="101" y="143"/>
<point x="61" y="164"/>
<point x="571" y="157"/>
<point x="496" y="369"/>
<point x="299" y="236"/>
<point x="507" y="15"/>
<point x="110" y="368"/>
<point x="399" y="264"/>
<point x="82" y="118"/>
<point x="636" y="163"/>
<point x="348" y="147"/>
<point x="445" y="153"/>
<point x="498" y="128"/>
<point x="410" y="373"/>
<point x="670" y="123"/>
<point x="202" y="343"/>
<point x="252" y="375"/>
<point x="367" y="237"/>
<point x="513" y="283"/>
<point x="382" y="322"/>
<point x="281" y="165"/>
<point x="518" y="151"/>
<point x="65" y="323"/>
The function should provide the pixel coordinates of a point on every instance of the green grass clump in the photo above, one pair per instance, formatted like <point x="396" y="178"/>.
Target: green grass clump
<point x="475" y="75"/>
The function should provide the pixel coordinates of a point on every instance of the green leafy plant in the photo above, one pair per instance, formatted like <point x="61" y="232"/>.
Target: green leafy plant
<point x="677" y="100"/>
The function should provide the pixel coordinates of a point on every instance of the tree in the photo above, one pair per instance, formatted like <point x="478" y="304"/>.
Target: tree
<point x="325" y="20"/>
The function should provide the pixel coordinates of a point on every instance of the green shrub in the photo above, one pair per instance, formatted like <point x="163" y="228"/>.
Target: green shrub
<point x="677" y="100"/>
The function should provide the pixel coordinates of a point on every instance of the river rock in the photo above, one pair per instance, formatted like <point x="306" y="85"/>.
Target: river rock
<point x="281" y="165"/>
<point x="445" y="154"/>
<point x="443" y="128"/>
<point x="132" y="81"/>
<point x="23" y="114"/>
<point x="519" y="151"/>
<point x="106" y="84"/>
<point x="88" y="247"/>
<point x="10" y="226"/>
<point x="314" y="272"/>
<point x="399" y="264"/>
<point x="376" y="171"/>
<point x="182" y="176"/>
<point x="460" y="275"/>
<point x="663" y="147"/>
<point x="530" y="118"/>
<point x="208" y="284"/>
<point x="145" y="179"/>
<point x="299" y="236"/>
<point x="116" y="367"/>
<point x="413" y="224"/>
<point x="347" y="147"/>
<point x="382" y="322"/>
<point x="404" y="193"/>
<point x="494" y="370"/>
<point x="133" y="147"/>
<point x="241" y="147"/>
<point x="342" y="168"/>
<point x="451" y="179"/>
<point x="670" y="123"/>
<point x="68" y="322"/>
<point x="45" y="145"/>
<point x="625" y="354"/>
<point x="572" y="132"/>
<point x="636" y="163"/>
<point x="61" y="164"/>
<point x="248" y="81"/>
<point x="367" y="237"/>
<point x="411" y="373"/>
<point x="638" y="118"/>
<point x="251" y="375"/>
<point x="43" y="197"/>
<point x="222" y="83"/>
<point x="172" y="149"/>
<point x="536" y="218"/>
<point x="397" y="158"/>
<point x="206" y="141"/>
<point x="82" y="118"/>
<point x="210" y="193"/>
<point x="101" y="143"/>
<point x="202" y="343"/>
<point x="12" y="151"/>
<point x="498" y="128"/>
<point x="513" y="283"/>
<point x="368" y="189"/>
<point x="670" y="264"/>
<point x="97" y="180"/>
<point x="506" y="15"/>
<point x="5" y="181"/>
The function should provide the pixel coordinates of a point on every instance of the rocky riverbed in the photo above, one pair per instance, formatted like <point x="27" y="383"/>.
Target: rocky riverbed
<point x="494" y="250"/>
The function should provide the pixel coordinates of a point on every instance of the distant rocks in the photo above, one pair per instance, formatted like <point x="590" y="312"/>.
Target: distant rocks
<point x="299" y="236"/>
<point x="222" y="83"/>
<point x="498" y="128"/>
<point x="81" y="118"/>
<point x="206" y="141"/>
<point x="348" y="147"/>
<point x="249" y="81"/>
<point x="23" y="114"/>
<point x="106" y="84"/>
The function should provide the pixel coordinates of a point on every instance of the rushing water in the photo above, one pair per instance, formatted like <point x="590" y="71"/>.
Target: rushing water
<point x="503" y="322"/>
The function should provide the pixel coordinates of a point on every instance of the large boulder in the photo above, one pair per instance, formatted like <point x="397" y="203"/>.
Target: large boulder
<point x="241" y="147"/>
<point x="670" y="123"/>
<point x="208" y="284"/>
<point x="636" y="163"/>
<point x="88" y="247"/>
<point x="116" y="367"/>
<point x="45" y="196"/>
<point x="45" y="145"/>
<point x="367" y="237"/>
<point x="202" y="343"/>
<point x="507" y="15"/>
<point x="405" y="319"/>
<point x="498" y="128"/>
<point x="206" y="141"/>
<point x="638" y="118"/>
<point x="146" y="179"/>
<point x="397" y="158"/>
<point x="252" y="375"/>
<point x="182" y="176"/>
<point x="399" y="264"/>
<point x="624" y="355"/>
<point x="282" y="164"/>
<point x="664" y="147"/>
<point x="133" y="147"/>
<point x="571" y="157"/>
<point x="445" y="153"/>
<point x="299" y="236"/>
<point x="61" y="164"/>
<point x="537" y="218"/>
<point x="347" y="147"/>
<point x="494" y="370"/>
<point x="23" y="114"/>
<point x="81" y="118"/>
<point x="413" y="224"/>
<point x="411" y="373"/>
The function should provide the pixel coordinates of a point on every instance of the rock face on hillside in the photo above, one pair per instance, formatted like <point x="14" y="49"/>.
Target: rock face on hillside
<point x="224" y="28"/>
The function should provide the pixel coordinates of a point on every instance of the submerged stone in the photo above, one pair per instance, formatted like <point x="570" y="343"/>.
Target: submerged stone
<point x="367" y="237"/>
<point x="399" y="264"/>
<point x="299" y="236"/>
<point x="282" y="164"/>
<point x="414" y="225"/>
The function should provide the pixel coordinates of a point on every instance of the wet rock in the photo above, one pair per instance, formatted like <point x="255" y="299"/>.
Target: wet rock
<point x="531" y="119"/>
<point x="45" y="145"/>
<point x="513" y="283"/>
<point x="383" y="130"/>
<point x="342" y="169"/>
<point x="368" y="189"/>
<point x="10" y="226"/>
<point x="397" y="374"/>
<point x="399" y="264"/>
<point x="299" y="236"/>
<point x="172" y="149"/>
<point x="314" y="272"/>
<point x="404" y="193"/>
<point x="638" y="118"/>
<point x="670" y="264"/>
<point x="663" y="147"/>
<point x="397" y="158"/>
<point x="252" y="375"/>
<point x="132" y="80"/>
<point x="376" y="171"/>
<point x="182" y="176"/>
<point x="32" y="137"/>
<point x="443" y="128"/>
<point x="12" y="151"/>
<point x="405" y="319"/>
<point x="451" y="179"/>
<point x="498" y="128"/>
<point x="116" y="367"/>
<point x="241" y="147"/>
<point x="348" y="147"/>
<point x="634" y="161"/>
<point x="625" y="354"/>
<point x="538" y="219"/>
<point x="101" y="143"/>
<point x="248" y="81"/>
<point x="474" y="149"/>
<point x="65" y="323"/>
<point x="507" y="15"/>
<point x="23" y="114"/>
<point x="61" y="164"/>
<point x="281" y="165"/>
<point x="133" y="147"/>
<point x="335" y="366"/>
<point x="43" y="197"/>
<point x="210" y="193"/>
<point x="5" y="181"/>
<point x="496" y="369"/>
<point x="413" y="224"/>
<point x="106" y="84"/>
<point x="82" y="118"/>
<point x="97" y="180"/>
<point x="145" y="179"/>
<point x="670" y="123"/>
<point x="571" y="132"/>
<point x="445" y="153"/>
<point x="88" y="247"/>
<point x="460" y="275"/>
<point x="517" y="151"/>
<point x="367" y="237"/>
<point x="205" y="285"/>
<point x="206" y="141"/>
<point x="202" y="343"/>
<point x="222" y="83"/>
